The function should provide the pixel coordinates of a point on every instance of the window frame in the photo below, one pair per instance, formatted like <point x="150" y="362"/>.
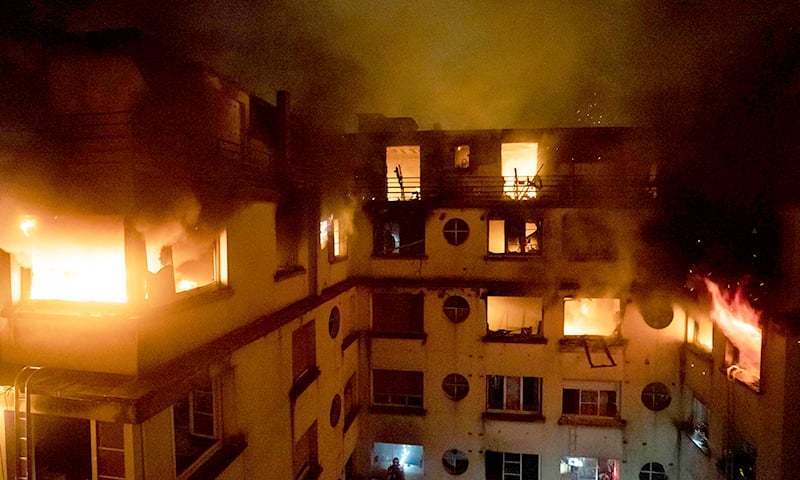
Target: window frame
<point x="522" y="397"/>
<point x="217" y="422"/>
<point x="453" y="387"/>
<point x="515" y="220"/>
<point x="536" y="336"/>
<point x="95" y="427"/>
<point x="310" y="465"/>
<point x="461" y="234"/>
<point x="521" y="458"/>
<point x="405" y="404"/>
<point x="598" y="388"/>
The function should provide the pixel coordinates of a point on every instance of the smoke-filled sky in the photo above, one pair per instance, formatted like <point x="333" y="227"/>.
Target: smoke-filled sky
<point x="461" y="64"/>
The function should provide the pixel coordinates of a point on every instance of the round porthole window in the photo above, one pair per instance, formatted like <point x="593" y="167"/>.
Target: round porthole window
<point x="455" y="461"/>
<point x="336" y="410"/>
<point x="656" y="396"/>
<point x="456" y="309"/>
<point x="334" y="322"/>
<point x="456" y="231"/>
<point x="653" y="471"/>
<point x="455" y="386"/>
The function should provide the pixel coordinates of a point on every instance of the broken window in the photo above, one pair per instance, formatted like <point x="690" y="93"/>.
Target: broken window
<point x="196" y="421"/>
<point x="515" y="236"/>
<point x="513" y="316"/>
<point x="586" y="468"/>
<point x="305" y="459"/>
<point x="304" y="351"/>
<point x="402" y="173"/>
<point x="398" y="388"/>
<point x="511" y="466"/>
<point x="462" y="156"/>
<point x="513" y="394"/>
<point x="399" y="234"/>
<point x="519" y="164"/>
<point x="589" y="399"/>
<point x="698" y="424"/>
<point x="586" y="237"/>
<point x="592" y="316"/>
<point x="397" y="313"/>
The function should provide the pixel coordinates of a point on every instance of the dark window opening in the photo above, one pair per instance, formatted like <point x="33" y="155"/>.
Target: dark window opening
<point x="515" y="236"/>
<point x="305" y="461"/>
<point x="511" y="466"/>
<point x="110" y="440"/>
<point x="397" y="312"/>
<point x="456" y="309"/>
<point x="400" y="235"/>
<point x="336" y="410"/>
<point x="304" y="351"/>
<point x="350" y="402"/>
<point x="288" y="232"/>
<point x="195" y="421"/>
<point x="62" y="448"/>
<point x="397" y="388"/>
<point x="455" y="386"/>
<point x="652" y="471"/>
<point x="656" y="396"/>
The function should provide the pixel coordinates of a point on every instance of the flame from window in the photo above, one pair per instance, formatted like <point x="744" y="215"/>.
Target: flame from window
<point x="741" y="325"/>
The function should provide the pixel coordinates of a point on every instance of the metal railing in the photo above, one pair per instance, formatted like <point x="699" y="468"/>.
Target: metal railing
<point x="541" y="189"/>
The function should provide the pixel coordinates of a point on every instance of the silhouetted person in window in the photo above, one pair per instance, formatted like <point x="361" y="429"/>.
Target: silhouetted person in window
<point x="395" y="470"/>
<point x="389" y="241"/>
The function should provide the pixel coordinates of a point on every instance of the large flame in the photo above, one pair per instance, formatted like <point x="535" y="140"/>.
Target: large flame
<point x="591" y="316"/>
<point x="741" y="325"/>
<point x="77" y="259"/>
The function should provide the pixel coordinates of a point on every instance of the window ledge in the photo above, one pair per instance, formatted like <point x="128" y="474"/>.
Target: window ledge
<point x="303" y="382"/>
<point x="351" y="417"/>
<point x="399" y="335"/>
<point x="229" y="451"/>
<point x="398" y="410"/>
<point x="569" y="342"/>
<point x="289" y="272"/>
<point x="350" y="339"/>
<point x="588" y="421"/>
<point x="378" y="256"/>
<point x="514" y="417"/>
<point x="530" y="339"/>
<point x="519" y="257"/>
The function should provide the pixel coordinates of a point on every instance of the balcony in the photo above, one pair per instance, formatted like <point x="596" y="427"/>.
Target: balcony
<point x="547" y="190"/>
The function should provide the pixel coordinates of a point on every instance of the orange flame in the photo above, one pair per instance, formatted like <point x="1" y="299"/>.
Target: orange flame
<point x="741" y="325"/>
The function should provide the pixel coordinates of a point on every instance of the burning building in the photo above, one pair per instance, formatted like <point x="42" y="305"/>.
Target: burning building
<point x="179" y="302"/>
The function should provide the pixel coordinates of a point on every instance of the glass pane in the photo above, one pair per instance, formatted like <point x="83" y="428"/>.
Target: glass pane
<point x="530" y="394"/>
<point x="111" y="463"/>
<point x="513" y="393"/>
<point x="608" y="403"/>
<point x="495" y="394"/>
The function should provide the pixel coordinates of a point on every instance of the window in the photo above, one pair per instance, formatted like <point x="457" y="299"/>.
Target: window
<point x="652" y="471"/>
<point x="288" y="233"/>
<point x="304" y="456"/>
<point x="398" y="388"/>
<point x="589" y="399"/>
<point x="456" y="231"/>
<point x="656" y="397"/>
<point x="350" y="406"/>
<point x="409" y="457"/>
<point x="196" y="422"/>
<point x="700" y="331"/>
<point x="455" y="386"/>
<point x="513" y="316"/>
<point x="397" y="313"/>
<point x="399" y="234"/>
<point x="110" y="441"/>
<point x="304" y="352"/>
<point x="513" y="394"/>
<point x="456" y="309"/>
<point x="334" y="322"/>
<point x="333" y="237"/>
<point x="402" y="173"/>
<point x="587" y="238"/>
<point x="519" y="164"/>
<point x="515" y="236"/>
<point x="511" y="466"/>
<point x="698" y="424"/>
<point x="336" y="410"/>
<point x="585" y="468"/>
<point x="455" y="462"/>
<point x="462" y="156"/>
<point x="592" y="316"/>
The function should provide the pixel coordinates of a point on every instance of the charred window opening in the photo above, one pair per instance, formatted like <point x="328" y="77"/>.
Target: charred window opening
<point x="62" y="448"/>
<point x="589" y="399"/>
<point x="739" y="462"/>
<point x="399" y="234"/>
<point x="515" y="235"/>
<point x="588" y="468"/>
<point x="698" y="424"/>
<point x="402" y="173"/>
<point x="398" y="313"/>
<point x="397" y="388"/>
<point x="520" y="165"/>
<point x="305" y="457"/>
<point x="508" y="316"/>
<point x="699" y="329"/>
<point x="288" y="235"/>
<point x="511" y="466"/>
<point x="461" y="157"/>
<point x="587" y="238"/>
<point x="197" y="427"/>
<point x="592" y="316"/>
<point x="513" y="394"/>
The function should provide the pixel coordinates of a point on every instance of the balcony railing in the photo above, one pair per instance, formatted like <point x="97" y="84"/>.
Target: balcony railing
<point x="559" y="189"/>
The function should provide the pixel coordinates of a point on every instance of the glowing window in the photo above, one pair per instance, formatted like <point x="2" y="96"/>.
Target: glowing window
<point x="196" y="425"/>
<point x="462" y="156"/>
<point x="519" y="167"/>
<point x="409" y="459"/>
<point x="586" y="468"/>
<point x="521" y="316"/>
<point x="402" y="173"/>
<point x="514" y="236"/>
<point x="398" y="388"/>
<point x="591" y="316"/>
